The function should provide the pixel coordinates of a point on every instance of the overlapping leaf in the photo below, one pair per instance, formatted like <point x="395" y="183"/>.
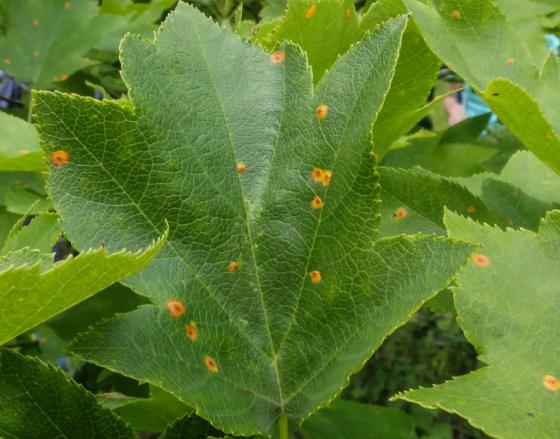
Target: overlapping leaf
<point x="34" y="289"/>
<point x="40" y="401"/>
<point x="481" y="45"/>
<point x="19" y="146"/>
<point x="507" y="303"/>
<point x="227" y="160"/>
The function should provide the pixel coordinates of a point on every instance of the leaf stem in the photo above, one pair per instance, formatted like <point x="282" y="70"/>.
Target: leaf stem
<point x="283" y="427"/>
<point x="30" y="110"/>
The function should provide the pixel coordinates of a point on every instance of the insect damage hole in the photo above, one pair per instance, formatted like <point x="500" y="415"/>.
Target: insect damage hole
<point x="210" y="364"/>
<point x="59" y="158"/>
<point x="176" y="308"/>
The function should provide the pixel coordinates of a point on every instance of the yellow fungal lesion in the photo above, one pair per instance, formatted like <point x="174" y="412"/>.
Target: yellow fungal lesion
<point x="211" y="364"/>
<point x="317" y="202"/>
<point x="510" y="61"/>
<point x="315" y="276"/>
<point x="36" y="23"/>
<point x="400" y="214"/>
<point x="551" y="383"/>
<point x="233" y="266"/>
<point x="311" y="11"/>
<point x="322" y="111"/>
<point x="241" y="168"/>
<point x="277" y="57"/>
<point x="59" y="158"/>
<point x="481" y="260"/>
<point x="176" y="308"/>
<point x="192" y="331"/>
<point x="455" y="14"/>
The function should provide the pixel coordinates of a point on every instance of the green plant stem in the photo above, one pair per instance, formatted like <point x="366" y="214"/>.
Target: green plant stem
<point x="283" y="427"/>
<point x="30" y="110"/>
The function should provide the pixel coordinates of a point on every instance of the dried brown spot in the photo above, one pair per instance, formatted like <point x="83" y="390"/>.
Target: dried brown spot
<point x="321" y="111"/>
<point x="176" y="309"/>
<point x="277" y="57"/>
<point x="315" y="276"/>
<point x="233" y="266"/>
<point x="317" y="203"/>
<point x="311" y="11"/>
<point x="551" y="383"/>
<point x="59" y="158"/>
<point x="481" y="260"/>
<point x="400" y="214"/>
<point x="191" y="331"/>
<point x="210" y="364"/>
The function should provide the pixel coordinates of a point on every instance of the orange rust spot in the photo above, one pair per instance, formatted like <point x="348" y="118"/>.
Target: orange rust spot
<point x="481" y="260"/>
<point x="551" y="383"/>
<point x="315" y="276"/>
<point x="321" y="111"/>
<point x="277" y="57"/>
<point x="233" y="266"/>
<point x="176" y="308"/>
<point x="36" y="53"/>
<point x="311" y="11"/>
<point x="316" y="202"/>
<point x="510" y="221"/>
<point x="210" y="364"/>
<point x="455" y="14"/>
<point x="61" y="78"/>
<point x="241" y="168"/>
<point x="317" y="174"/>
<point x="400" y="214"/>
<point x="59" y="158"/>
<point x="471" y="209"/>
<point x="511" y="61"/>
<point x="7" y="61"/>
<point x="192" y="331"/>
<point x="347" y="13"/>
<point x="66" y="5"/>
<point x="36" y="22"/>
<point x="327" y="177"/>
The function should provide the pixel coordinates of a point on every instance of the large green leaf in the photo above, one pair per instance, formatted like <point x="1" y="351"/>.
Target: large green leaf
<point x="19" y="146"/>
<point x="40" y="401"/>
<point x="47" y="40"/>
<point x="352" y="420"/>
<point x="481" y="45"/>
<point x="245" y="247"/>
<point x="508" y="306"/>
<point x="33" y="289"/>
<point x="327" y="29"/>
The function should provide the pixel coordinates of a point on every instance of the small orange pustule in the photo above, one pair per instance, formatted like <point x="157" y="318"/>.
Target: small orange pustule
<point x="327" y="177"/>
<point x="311" y="11"/>
<point x="481" y="260"/>
<point x="66" y="5"/>
<point x="241" y="168"/>
<point x="176" y="309"/>
<point x="551" y="383"/>
<point x="277" y="57"/>
<point x="317" y="174"/>
<point x="321" y="111"/>
<point x="400" y="214"/>
<point x="191" y="331"/>
<point x="233" y="266"/>
<point x="59" y="158"/>
<point x="210" y="364"/>
<point x="455" y="14"/>
<point x="315" y="276"/>
<point x="347" y="13"/>
<point x="471" y="209"/>
<point x="317" y="203"/>
<point x="510" y="61"/>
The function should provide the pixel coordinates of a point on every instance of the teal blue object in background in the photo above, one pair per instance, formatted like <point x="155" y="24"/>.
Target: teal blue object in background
<point x="475" y="106"/>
